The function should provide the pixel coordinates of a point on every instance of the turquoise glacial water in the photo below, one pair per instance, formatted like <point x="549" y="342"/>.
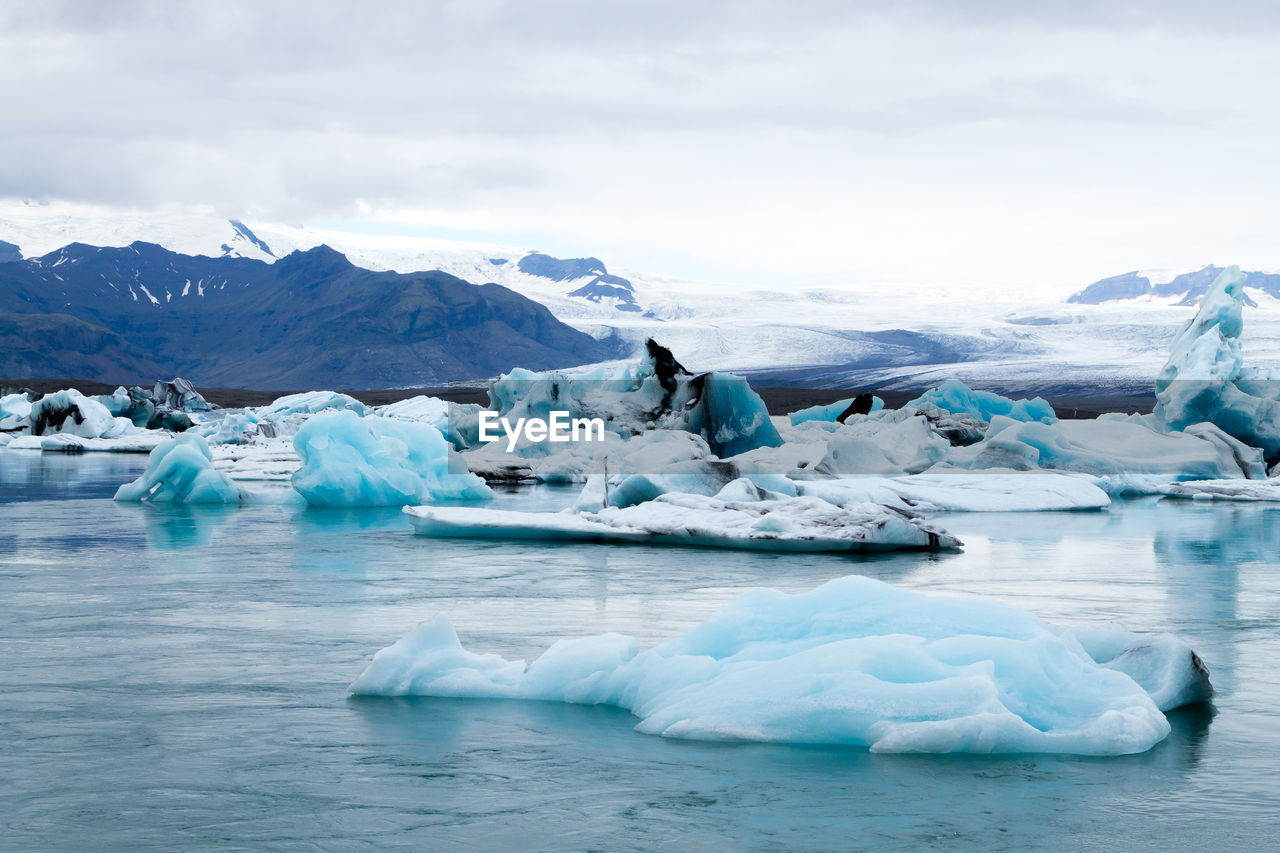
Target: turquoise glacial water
<point x="175" y="678"/>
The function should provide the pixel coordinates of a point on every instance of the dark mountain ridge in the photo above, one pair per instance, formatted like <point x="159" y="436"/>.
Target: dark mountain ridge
<point x="311" y="319"/>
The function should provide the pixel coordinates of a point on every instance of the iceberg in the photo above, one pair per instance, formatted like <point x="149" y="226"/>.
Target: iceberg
<point x="884" y="446"/>
<point x="348" y="460"/>
<point x="986" y="491"/>
<point x="181" y="471"/>
<point x="179" y="395"/>
<point x="140" y="441"/>
<point x="956" y="397"/>
<point x="855" y="662"/>
<point x="15" y="411"/>
<point x="309" y="403"/>
<point x="1204" y="379"/>
<point x="1111" y="446"/>
<point x="741" y="515"/>
<point x="231" y="428"/>
<point x="1225" y="490"/>
<point x="946" y="491"/>
<point x="459" y="423"/>
<point x="71" y="412"/>
<point x="655" y="392"/>
<point x="542" y="462"/>
<point x="831" y="412"/>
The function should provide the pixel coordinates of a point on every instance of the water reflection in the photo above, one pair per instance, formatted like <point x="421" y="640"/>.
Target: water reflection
<point x="175" y="677"/>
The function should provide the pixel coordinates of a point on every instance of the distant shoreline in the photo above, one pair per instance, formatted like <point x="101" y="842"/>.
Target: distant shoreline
<point x="779" y="400"/>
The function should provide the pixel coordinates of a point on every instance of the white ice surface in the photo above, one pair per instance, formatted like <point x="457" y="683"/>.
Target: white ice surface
<point x="739" y="516"/>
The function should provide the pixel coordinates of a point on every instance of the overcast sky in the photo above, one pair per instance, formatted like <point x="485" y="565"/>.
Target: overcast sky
<point x="996" y="144"/>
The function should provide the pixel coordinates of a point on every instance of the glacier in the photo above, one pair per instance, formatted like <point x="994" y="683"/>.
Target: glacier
<point x="854" y="661"/>
<point x="349" y="460"/>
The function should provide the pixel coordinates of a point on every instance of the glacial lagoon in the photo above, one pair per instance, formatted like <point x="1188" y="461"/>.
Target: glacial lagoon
<point x="176" y="677"/>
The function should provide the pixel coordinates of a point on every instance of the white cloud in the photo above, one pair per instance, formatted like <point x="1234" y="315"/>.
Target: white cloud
<point x="991" y="144"/>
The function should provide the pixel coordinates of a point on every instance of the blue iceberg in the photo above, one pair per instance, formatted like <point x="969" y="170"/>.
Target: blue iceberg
<point x="1205" y="379"/>
<point x="855" y="661"/>
<point x="181" y="471"/>
<point x="348" y="460"/>
<point x="959" y="399"/>
<point x="830" y="411"/>
<point x="655" y="392"/>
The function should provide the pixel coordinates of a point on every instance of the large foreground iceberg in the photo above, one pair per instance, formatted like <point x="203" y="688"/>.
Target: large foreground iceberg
<point x="854" y="661"/>
<point x="349" y="460"/>
<point x="741" y="515"/>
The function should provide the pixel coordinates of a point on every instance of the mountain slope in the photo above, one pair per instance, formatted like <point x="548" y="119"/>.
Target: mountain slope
<point x="310" y="319"/>
<point x="896" y="335"/>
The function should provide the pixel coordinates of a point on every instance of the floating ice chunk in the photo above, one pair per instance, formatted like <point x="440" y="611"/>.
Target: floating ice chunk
<point x="309" y="403"/>
<point x="134" y="441"/>
<point x="768" y="522"/>
<point x="854" y="661"/>
<point x="15" y="409"/>
<point x="881" y="446"/>
<point x="348" y="460"/>
<point x="71" y="412"/>
<point x="956" y="397"/>
<point x="1204" y="378"/>
<point x="181" y="470"/>
<point x="428" y="410"/>
<point x="729" y="415"/>
<point x="1224" y="490"/>
<point x="707" y="477"/>
<point x="989" y="491"/>
<point x="231" y="428"/>
<point x="1108" y="447"/>
<point x="178" y="395"/>
<point x="830" y="411"/>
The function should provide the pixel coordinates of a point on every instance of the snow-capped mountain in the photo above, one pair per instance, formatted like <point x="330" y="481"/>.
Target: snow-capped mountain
<point x="310" y="319"/>
<point x="1185" y="288"/>
<point x="1113" y="332"/>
